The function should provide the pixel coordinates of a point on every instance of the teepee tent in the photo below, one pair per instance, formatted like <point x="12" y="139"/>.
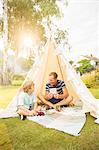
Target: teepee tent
<point x="52" y="59"/>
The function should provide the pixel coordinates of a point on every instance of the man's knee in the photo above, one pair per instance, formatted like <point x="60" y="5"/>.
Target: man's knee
<point x="69" y="98"/>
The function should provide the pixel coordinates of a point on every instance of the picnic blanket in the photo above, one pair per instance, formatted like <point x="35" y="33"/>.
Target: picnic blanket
<point x="70" y="120"/>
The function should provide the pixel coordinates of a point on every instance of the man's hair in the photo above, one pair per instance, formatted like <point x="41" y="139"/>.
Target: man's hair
<point x="54" y="74"/>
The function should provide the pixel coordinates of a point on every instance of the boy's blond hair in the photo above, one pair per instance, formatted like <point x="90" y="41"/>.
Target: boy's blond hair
<point x="27" y="85"/>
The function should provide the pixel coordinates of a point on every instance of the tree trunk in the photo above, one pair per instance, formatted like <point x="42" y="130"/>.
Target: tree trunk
<point x="5" y="38"/>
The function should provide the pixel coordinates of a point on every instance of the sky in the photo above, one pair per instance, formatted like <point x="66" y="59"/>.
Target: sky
<point x="81" y="19"/>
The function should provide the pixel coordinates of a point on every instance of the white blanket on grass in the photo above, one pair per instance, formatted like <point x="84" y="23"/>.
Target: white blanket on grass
<point x="69" y="120"/>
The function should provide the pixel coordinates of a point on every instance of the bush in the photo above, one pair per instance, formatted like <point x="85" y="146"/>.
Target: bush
<point x="18" y="77"/>
<point x="91" y="79"/>
<point x="17" y="82"/>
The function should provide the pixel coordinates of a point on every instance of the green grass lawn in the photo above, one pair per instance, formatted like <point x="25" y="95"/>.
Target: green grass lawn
<point x="27" y="135"/>
<point x="6" y="95"/>
<point x="95" y="92"/>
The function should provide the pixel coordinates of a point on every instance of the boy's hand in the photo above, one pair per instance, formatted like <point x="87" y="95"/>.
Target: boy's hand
<point x="34" y="112"/>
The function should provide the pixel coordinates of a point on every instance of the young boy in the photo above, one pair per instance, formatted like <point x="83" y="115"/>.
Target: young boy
<point x="27" y="101"/>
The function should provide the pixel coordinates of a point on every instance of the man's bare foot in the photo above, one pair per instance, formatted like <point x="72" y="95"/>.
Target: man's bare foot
<point x="57" y="107"/>
<point x="71" y="103"/>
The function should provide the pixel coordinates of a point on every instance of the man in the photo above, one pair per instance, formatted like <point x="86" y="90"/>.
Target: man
<point x="56" y="93"/>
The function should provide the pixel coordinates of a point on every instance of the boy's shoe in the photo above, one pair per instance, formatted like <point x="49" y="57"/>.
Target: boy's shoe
<point x="22" y="117"/>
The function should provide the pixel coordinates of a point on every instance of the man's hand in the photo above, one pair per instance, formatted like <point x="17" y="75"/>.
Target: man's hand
<point x="49" y="96"/>
<point x="56" y="96"/>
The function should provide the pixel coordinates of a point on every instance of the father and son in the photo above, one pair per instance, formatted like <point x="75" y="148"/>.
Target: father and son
<point x="56" y="95"/>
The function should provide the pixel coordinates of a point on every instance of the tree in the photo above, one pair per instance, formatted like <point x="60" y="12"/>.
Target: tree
<point x="24" y="15"/>
<point x="84" y="66"/>
<point x="28" y="15"/>
<point x="5" y="37"/>
<point x="61" y="36"/>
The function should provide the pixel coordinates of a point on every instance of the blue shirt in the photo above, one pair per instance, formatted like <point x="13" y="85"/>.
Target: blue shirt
<point x="26" y="100"/>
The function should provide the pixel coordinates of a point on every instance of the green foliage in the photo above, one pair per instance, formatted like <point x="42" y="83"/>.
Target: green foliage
<point x="17" y="80"/>
<point x="27" y="15"/>
<point x="18" y="77"/>
<point x="92" y="79"/>
<point x="85" y="66"/>
<point x="48" y="7"/>
<point x="61" y="35"/>
<point x="71" y="62"/>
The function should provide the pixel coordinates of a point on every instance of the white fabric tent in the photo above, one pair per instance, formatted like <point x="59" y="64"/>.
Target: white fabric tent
<point x="54" y="60"/>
